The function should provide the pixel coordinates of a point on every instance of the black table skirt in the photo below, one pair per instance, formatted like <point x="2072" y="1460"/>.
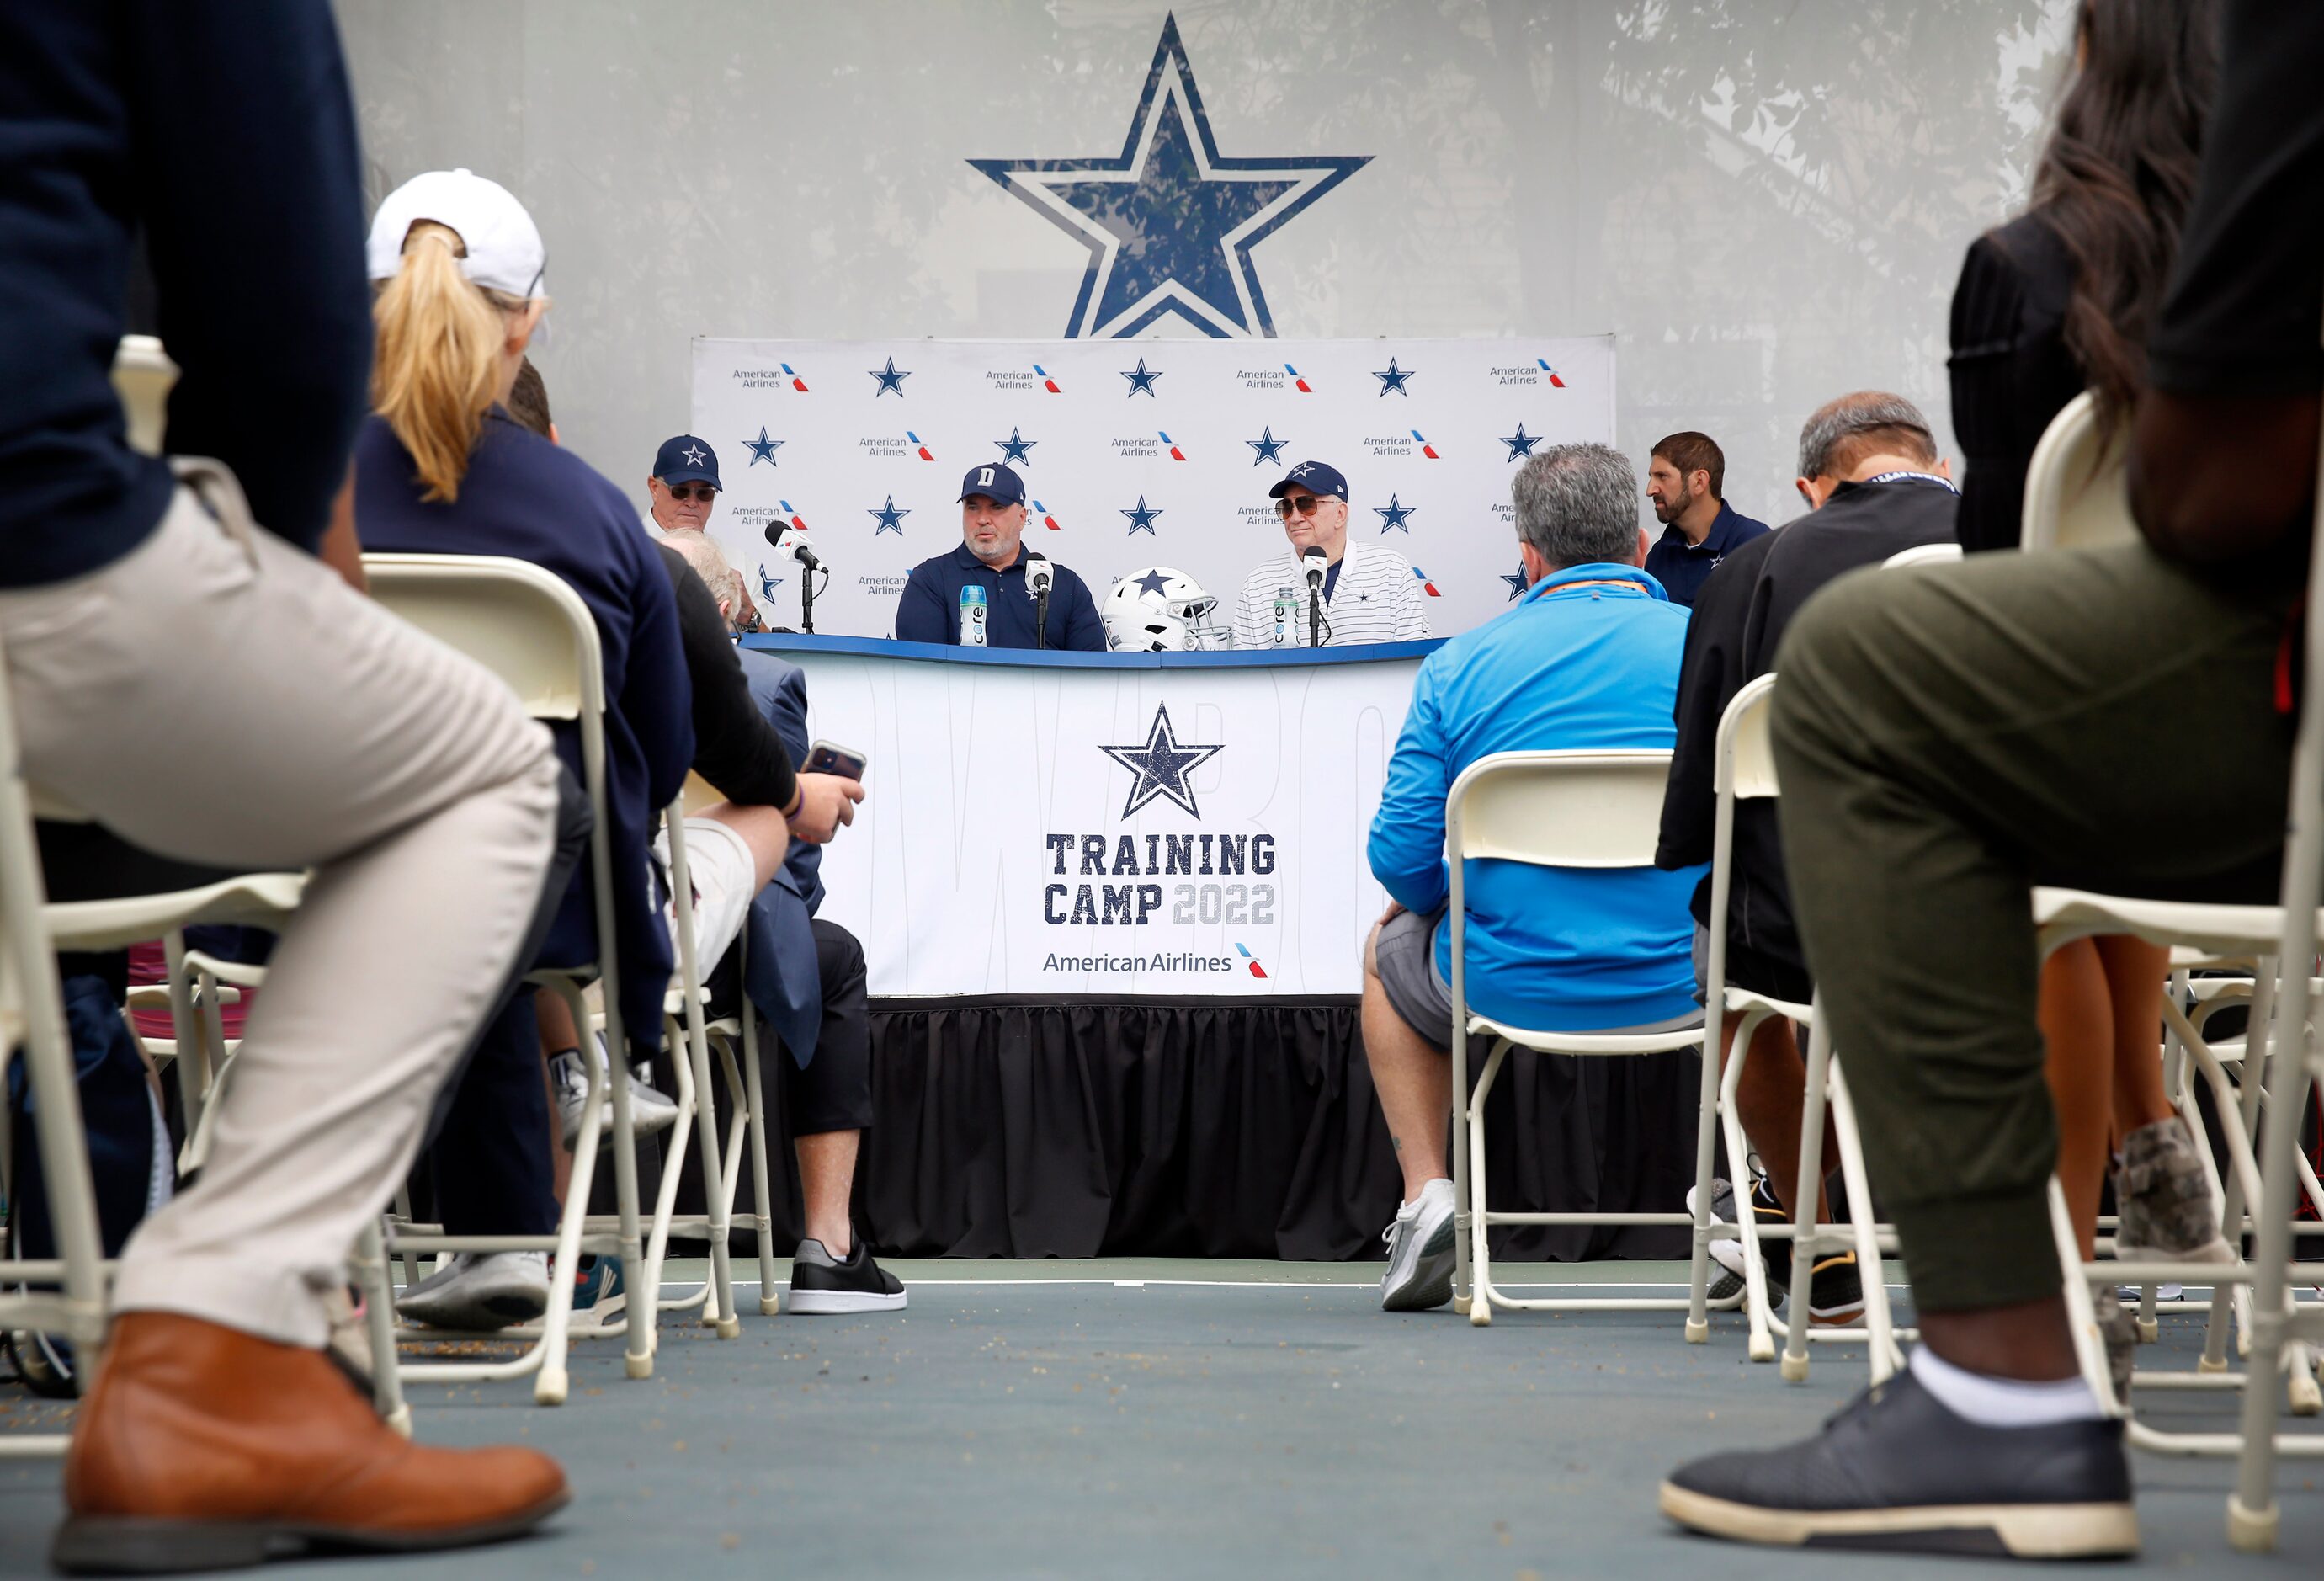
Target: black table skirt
<point x="1016" y="1127"/>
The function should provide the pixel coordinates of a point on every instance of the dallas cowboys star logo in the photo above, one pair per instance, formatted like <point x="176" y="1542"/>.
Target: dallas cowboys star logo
<point x="1141" y="380"/>
<point x="1161" y="764"/>
<point x="1517" y="584"/>
<point x="1521" y="443"/>
<point x="1170" y="223"/>
<point x="889" y="518"/>
<point x="1394" y="515"/>
<point x="768" y="582"/>
<point x="693" y="454"/>
<point x="1269" y="447"/>
<point x="1142" y="519"/>
<point x="762" y="448"/>
<point x="890" y="379"/>
<point x="1014" y="446"/>
<point x="1394" y="379"/>
<point x="1152" y="582"/>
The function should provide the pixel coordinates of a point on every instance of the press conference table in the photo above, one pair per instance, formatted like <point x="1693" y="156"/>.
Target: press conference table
<point x="1113" y="908"/>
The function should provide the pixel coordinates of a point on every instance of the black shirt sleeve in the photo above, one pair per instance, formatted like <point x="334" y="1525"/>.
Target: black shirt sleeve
<point x="2247" y="295"/>
<point x="1709" y="674"/>
<point x="2011" y="372"/>
<point x="735" y="747"/>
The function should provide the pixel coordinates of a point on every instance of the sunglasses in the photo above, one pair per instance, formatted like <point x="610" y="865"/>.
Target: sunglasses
<point x="700" y="491"/>
<point x="1306" y="504"/>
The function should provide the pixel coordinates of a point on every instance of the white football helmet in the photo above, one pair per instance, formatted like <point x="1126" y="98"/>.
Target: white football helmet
<point x="1159" y="610"/>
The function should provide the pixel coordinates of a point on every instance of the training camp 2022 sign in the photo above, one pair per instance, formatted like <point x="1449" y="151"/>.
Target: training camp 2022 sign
<point x="1134" y="453"/>
<point x="1179" y="831"/>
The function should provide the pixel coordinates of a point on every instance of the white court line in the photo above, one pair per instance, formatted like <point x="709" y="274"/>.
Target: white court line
<point x="1237" y="1284"/>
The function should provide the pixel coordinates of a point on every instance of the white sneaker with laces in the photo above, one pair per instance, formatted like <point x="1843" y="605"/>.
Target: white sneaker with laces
<point x="1420" y="1252"/>
<point x="650" y="1112"/>
<point x="477" y="1292"/>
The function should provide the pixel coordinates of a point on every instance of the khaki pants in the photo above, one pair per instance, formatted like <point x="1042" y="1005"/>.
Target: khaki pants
<point x="1949" y="737"/>
<point x="218" y="696"/>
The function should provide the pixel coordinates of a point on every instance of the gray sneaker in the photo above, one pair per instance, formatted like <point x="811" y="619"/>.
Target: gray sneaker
<point x="1420" y="1252"/>
<point x="477" y="1292"/>
<point x="2168" y="1212"/>
<point x="2119" y="1327"/>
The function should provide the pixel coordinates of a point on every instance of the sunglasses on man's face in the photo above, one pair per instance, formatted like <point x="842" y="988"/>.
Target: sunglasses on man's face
<point x="700" y="491"/>
<point x="1306" y="504"/>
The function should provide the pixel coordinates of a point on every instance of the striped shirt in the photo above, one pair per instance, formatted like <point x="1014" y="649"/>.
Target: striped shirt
<point x="1375" y="599"/>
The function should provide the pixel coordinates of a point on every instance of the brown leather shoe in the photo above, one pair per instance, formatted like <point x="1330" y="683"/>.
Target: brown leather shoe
<point x="203" y="1447"/>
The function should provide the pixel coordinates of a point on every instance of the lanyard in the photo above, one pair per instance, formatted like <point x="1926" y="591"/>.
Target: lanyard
<point x="1945" y="484"/>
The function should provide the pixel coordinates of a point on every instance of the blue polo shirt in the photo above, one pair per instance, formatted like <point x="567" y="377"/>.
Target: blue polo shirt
<point x="930" y="609"/>
<point x="1682" y="568"/>
<point x="1571" y="949"/>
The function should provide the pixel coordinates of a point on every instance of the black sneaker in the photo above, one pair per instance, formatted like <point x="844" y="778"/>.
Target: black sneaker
<point x="820" y="1283"/>
<point x="1835" y="1291"/>
<point x="1895" y="1469"/>
<point x="1774" y="1257"/>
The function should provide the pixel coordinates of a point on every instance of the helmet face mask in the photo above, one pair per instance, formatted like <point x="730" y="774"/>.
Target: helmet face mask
<point x="1159" y="610"/>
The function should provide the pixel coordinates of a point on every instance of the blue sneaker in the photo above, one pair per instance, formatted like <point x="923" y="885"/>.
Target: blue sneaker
<point x="598" y="1290"/>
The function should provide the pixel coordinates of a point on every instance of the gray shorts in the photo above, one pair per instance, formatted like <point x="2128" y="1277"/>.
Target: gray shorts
<point x="1404" y="955"/>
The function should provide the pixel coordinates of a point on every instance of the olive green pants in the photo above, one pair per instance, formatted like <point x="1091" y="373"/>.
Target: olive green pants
<point x="1949" y="736"/>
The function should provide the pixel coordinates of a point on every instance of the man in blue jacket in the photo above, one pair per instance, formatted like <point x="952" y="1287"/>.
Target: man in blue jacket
<point x="1589" y="658"/>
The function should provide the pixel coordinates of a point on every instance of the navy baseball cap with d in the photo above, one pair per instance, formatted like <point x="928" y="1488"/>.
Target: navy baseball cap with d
<point x="995" y="483"/>
<point x="1320" y="479"/>
<point x="687" y="460"/>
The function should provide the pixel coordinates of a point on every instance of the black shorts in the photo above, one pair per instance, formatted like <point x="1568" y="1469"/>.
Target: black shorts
<point x="1756" y="970"/>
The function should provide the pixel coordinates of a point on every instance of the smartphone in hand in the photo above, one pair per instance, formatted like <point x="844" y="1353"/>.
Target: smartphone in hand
<point x="829" y="757"/>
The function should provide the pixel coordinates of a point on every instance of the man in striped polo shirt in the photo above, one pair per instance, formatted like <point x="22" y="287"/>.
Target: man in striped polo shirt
<point x="1367" y="594"/>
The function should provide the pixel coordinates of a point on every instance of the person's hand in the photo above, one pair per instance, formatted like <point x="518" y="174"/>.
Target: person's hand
<point x="1395" y="909"/>
<point x="826" y="802"/>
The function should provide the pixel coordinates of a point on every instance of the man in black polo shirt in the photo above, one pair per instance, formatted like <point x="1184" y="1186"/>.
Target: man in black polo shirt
<point x="976" y="596"/>
<point x="1683" y="477"/>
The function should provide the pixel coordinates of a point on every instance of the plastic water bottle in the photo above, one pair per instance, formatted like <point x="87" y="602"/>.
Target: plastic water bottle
<point x="972" y="616"/>
<point x="1285" y="607"/>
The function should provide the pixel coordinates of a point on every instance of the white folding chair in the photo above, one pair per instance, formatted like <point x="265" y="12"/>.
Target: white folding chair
<point x="2077" y="493"/>
<point x="528" y="627"/>
<point x="1923" y="554"/>
<point x="1570" y="809"/>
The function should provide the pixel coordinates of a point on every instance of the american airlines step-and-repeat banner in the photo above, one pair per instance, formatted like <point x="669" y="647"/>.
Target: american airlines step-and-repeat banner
<point x="1134" y="453"/>
<point x="1114" y="829"/>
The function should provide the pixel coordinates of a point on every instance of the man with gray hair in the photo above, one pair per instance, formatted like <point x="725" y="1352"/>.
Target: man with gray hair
<point x="1589" y="658"/>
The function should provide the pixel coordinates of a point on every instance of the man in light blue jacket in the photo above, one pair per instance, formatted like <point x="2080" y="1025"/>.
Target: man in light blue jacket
<point x="1589" y="658"/>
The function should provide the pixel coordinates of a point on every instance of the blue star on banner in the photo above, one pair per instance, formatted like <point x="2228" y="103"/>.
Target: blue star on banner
<point x="1521" y="443"/>
<point x="768" y="582"/>
<point x="1393" y="515"/>
<point x="890" y="379"/>
<point x="1141" y="381"/>
<point x="762" y="448"/>
<point x="1269" y="447"/>
<point x="1394" y="379"/>
<point x="889" y="518"/>
<point x="1142" y="519"/>
<point x="1014" y="446"/>
<point x="1517" y="584"/>
<point x="1152" y="582"/>
<point x="1170" y="222"/>
<point x="1161" y="764"/>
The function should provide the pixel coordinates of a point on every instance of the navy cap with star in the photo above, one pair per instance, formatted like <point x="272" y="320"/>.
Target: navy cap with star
<point x="1318" y="477"/>
<point x="687" y="460"/>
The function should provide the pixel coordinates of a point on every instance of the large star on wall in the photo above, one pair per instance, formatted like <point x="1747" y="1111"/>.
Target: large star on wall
<point x="1170" y="223"/>
<point x="1161" y="764"/>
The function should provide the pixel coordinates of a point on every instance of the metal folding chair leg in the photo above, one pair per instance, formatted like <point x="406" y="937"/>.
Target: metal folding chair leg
<point x="763" y="1203"/>
<point x="369" y="1265"/>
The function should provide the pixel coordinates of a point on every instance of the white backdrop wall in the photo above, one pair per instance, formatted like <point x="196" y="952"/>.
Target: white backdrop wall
<point x="1764" y="201"/>
<point x="1132" y="459"/>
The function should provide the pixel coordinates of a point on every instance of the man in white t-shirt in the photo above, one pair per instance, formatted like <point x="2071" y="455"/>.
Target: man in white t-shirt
<point x="1363" y="593"/>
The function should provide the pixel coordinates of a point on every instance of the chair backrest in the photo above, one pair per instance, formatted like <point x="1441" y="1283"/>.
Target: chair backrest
<point x="519" y="622"/>
<point x="143" y="375"/>
<point x="2076" y="495"/>
<point x="1746" y="762"/>
<point x="1922" y="554"/>
<point x="1572" y="808"/>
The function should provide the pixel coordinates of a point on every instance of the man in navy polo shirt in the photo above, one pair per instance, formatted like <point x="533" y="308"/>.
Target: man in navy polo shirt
<point x="1683" y="476"/>
<point x="976" y="596"/>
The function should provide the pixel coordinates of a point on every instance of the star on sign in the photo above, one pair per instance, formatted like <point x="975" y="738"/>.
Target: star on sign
<point x="1269" y="447"/>
<point x="1521" y="443"/>
<point x="1170" y="222"/>
<point x="1142" y="519"/>
<point x="889" y="518"/>
<point x="1394" y="515"/>
<point x="890" y="379"/>
<point x="762" y="448"/>
<point x="1152" y="582"/>
<point x="693" y="455"/>
<point x="1517" y="584"/>
<point x="1141" y="380"/>
<point x="1161" y="764"/>
<point x="1014" y="446"/>
<point x="1394" y="379"/>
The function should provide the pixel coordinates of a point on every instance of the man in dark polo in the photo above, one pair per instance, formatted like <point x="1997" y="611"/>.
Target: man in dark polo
<point x="1700" y="529"/>
<point x="976" y="596"/>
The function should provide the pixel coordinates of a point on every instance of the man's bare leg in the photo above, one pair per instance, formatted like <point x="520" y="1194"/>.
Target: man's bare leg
<point x="1770" y="1099"/>
<point x="826" y="1164"/>
<point x="1413" y="1080"/>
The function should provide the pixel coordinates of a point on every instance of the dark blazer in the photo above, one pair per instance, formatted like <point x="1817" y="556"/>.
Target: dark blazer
<point x="780" y="973"/>
<point x="2011" y="370"/>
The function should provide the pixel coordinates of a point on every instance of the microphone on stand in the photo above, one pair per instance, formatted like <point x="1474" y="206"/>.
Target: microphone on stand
<point x="1316" y="562"/>
<point x="1038" y="575"/>
<point x="791" y="543"/>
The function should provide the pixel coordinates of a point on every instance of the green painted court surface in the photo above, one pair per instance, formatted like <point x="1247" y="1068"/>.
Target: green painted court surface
<point x="1155" y="1417"/>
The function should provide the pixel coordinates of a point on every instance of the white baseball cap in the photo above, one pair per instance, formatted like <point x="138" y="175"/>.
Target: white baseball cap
<point x="503" y="245"/>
